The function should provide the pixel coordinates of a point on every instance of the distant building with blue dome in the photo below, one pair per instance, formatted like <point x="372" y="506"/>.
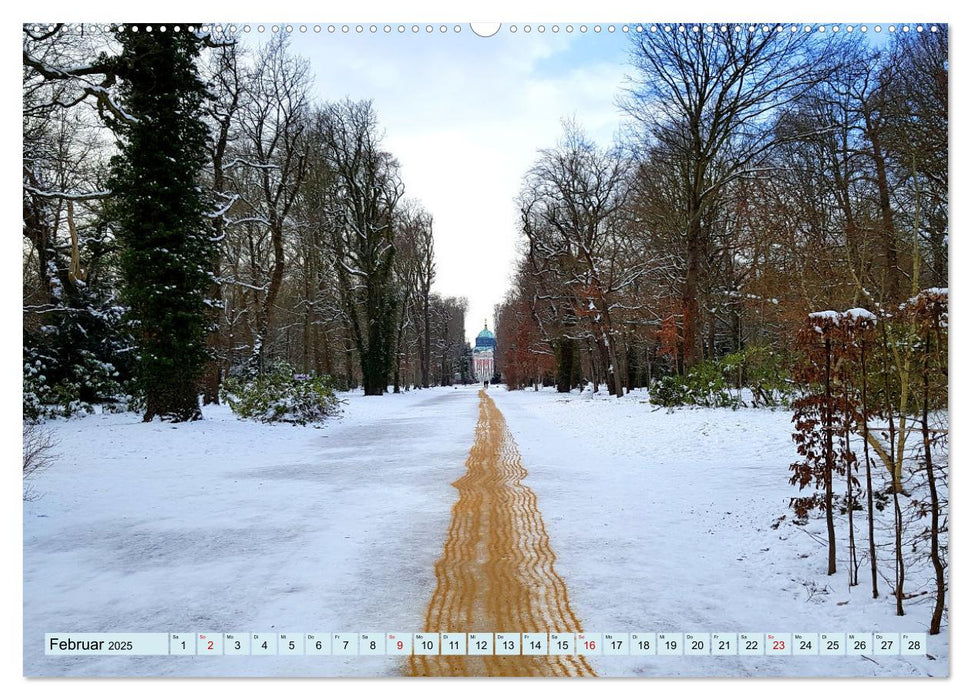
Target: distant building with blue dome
<point x="483" y="355"/>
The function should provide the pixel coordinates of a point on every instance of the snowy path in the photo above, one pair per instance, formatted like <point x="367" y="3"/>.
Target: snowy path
<point x="496" y="573"/>
<point x="227" y="525"/>
<point x="659" y="522"/>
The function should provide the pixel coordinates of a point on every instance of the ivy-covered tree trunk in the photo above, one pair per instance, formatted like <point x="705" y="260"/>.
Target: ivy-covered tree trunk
<point x="166" y="239"/>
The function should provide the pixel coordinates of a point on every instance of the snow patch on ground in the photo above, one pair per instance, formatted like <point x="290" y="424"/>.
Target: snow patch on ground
<point x="662" y="521"/>
<point x="227" y="525"/>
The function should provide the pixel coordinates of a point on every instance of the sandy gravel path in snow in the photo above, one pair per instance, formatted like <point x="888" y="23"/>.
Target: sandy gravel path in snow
<point x="496" y="573"/>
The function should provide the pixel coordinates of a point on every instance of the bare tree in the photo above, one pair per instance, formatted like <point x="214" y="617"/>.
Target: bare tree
<point x="273" y="155"/>
<point x="38" y="446"/>
<point x="448" y="335"/>
<point x="572" y="210"/>
<point x="362" y="224"/>
<point x="405" y="279"/>
<point x="425" y="277"/>
<point x="704" y="95"/>
<point x="225" y="78"/>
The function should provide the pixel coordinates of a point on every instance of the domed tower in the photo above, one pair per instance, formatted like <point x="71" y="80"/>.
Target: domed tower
<point x="483" y="355"/>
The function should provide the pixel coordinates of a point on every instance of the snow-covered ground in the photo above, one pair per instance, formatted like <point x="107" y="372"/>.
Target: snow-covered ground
<point x="228" y="525"/>
<point x="661" y="521"/>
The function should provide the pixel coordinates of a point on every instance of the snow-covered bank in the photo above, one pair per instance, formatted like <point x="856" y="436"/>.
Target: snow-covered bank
<point x="227" y="525"/>
<point x="662" y="521"/>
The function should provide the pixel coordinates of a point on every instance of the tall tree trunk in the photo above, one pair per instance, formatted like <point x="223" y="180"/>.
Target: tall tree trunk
<point x="374" y="357"/>
<point x="828" y="474"/>
<point x="888" y="232"/>
<point x="566" y="358"/>
<point x="269" y="301"/>
<point x="689" y="296"/>
<point x="348" y="355"/>
<point x="614" y="374"/>
<point x="604" y="357"/>
<point x="426" y="355"/>
<point x="308" y="315"/>
<point x="895" y="483"/>
<point x="864" y="408"/>
<point x="899" y="553"/>
<point x="937" y="615"/>
<point x="853" y="563"/>
<point x="594" y="370"/>
<point x="212" y="377"/>
<point x="396" y="359"/>
<point x="212" y="374"/>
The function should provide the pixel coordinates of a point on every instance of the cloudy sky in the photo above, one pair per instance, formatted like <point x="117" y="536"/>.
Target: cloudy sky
<point x="465" y="116"/>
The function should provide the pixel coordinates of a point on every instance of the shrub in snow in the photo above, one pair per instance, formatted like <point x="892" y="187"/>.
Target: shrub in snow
<point x="671" y="390"/>
<point x="281" y="395"/>
<point x="762" y="370"/>
<point x="64" y="398"/>
<point x="38" y="447"/>
<point x="702" y="385"/>
<point x="76" y="354"/>
<point x="55" y="386"/>
<point x="718" y="383"/>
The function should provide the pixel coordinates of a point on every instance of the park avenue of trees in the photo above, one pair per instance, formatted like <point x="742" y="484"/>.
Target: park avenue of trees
<point x="289" y="235"/>
<point x="770" y="229"/>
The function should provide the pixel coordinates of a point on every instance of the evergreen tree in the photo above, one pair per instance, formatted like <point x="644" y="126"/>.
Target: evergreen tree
<point x="166" y="239"/>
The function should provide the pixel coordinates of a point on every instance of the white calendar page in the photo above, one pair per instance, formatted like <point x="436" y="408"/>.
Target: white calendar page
<point x="509" y="529"/>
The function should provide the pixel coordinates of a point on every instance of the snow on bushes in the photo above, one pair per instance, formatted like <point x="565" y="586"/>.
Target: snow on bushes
<point x="87" y="382"/>
<point x="281" y="395"/>
<point x="702" y="385"/>
<point x="715" y="384"/>
<point x="876" y="384"/>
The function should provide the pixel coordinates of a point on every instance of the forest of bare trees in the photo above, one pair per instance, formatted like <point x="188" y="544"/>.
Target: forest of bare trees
<point x="772" y="229"/>
<point x="764" y="175"/>
<point x="314" y="254"/>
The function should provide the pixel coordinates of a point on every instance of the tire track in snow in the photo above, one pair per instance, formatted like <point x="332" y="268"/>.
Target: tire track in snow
<point x="496" y="572"/>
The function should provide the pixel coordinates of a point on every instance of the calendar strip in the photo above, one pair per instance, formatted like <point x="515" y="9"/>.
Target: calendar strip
<point x="487" y="644"/>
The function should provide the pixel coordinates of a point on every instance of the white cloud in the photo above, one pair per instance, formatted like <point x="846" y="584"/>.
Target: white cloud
<point x="465" y="117"/>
